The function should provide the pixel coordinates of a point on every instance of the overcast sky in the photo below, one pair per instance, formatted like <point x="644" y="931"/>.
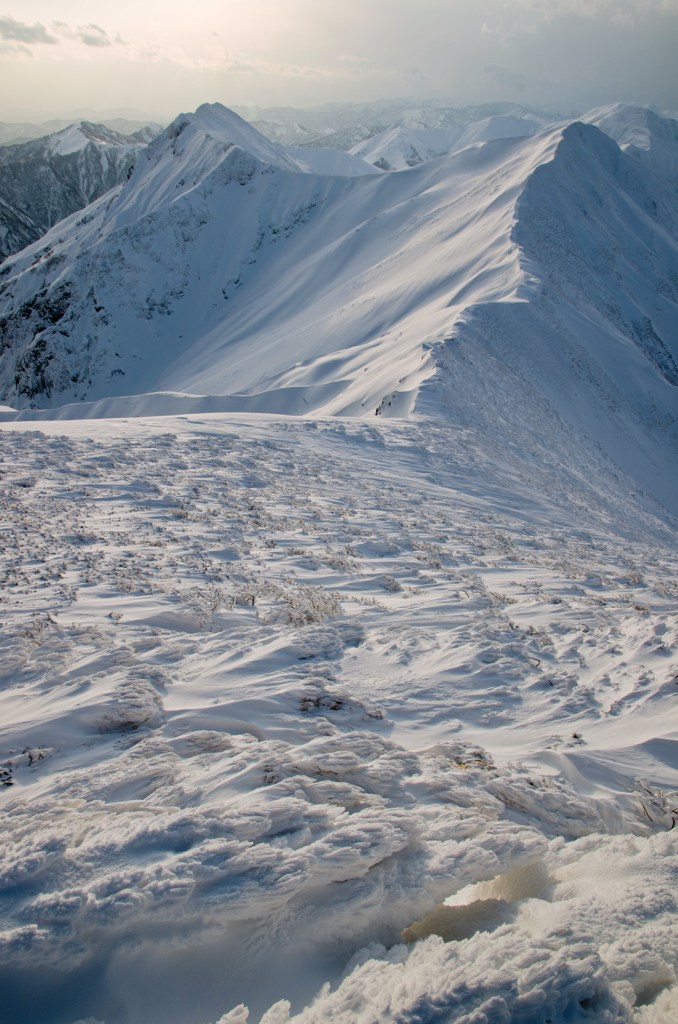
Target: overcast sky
<point x="62" y="56"/>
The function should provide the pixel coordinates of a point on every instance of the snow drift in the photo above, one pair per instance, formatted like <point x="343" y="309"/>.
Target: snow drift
<point x="363" y="718"/>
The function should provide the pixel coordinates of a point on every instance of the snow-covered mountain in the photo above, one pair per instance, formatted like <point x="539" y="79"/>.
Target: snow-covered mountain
<point x="12" y="133"/>
<point x="45" y="180"/>
<point x="403" y="146"/>
<point x="344" y="125"/>
<point x="530" y="280"/>
<point x="644" y="135"/>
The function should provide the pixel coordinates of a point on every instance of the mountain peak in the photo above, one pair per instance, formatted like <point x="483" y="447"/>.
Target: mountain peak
<point x="219" y="123"/>
<point x="79" y="134"/>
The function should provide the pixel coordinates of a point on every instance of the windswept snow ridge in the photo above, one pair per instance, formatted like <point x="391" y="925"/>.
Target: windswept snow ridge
<point x="402" y="146"/>
<point x="228" y="266"/>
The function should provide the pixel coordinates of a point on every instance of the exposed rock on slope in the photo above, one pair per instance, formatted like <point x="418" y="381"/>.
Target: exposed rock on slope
<point x="45" y="180"/>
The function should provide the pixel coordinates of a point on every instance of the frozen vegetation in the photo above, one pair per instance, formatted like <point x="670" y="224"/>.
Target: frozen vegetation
<point x="311" y="714"/>
<point x="275" y="690"/>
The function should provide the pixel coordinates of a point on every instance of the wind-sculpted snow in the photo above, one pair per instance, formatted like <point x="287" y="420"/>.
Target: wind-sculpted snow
<point x="554" y="957"/>
<point x="331" y="720"/>
<point x="588" y="343"/>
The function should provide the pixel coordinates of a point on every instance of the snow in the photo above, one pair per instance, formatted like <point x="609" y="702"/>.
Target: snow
<point x="316" y="266"/>
<point x="534" y="273"/>
<point x="330" y="161"/>
<point x="400" y="147"/>
<point x="311" y="714"/>
<point x="70" y="140"/>
<point x="274" y="690"/>
<point x="643" y="134"/>
<point x="403" y="146"/>
<point x="44" y="180"/>
<point x="76" y="136"/>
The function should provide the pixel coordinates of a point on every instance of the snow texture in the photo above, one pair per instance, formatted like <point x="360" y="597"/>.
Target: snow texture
<point x="275" y="690"/>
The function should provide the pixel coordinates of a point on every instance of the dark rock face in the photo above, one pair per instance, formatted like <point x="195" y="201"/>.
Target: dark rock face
<point x="45" y="180"/>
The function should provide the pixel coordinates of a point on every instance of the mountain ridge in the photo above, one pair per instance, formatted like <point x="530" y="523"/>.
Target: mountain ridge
<point x="357" y="295"/>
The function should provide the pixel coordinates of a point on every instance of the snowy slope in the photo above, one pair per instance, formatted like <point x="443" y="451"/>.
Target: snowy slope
<point x="74" y="138"/>
<point x="275" y="691"/>
<point x="255" y="277"/>
<point x="343" y="125"/>
<point x="45" y="180"/>
<point x="403" y="146"/>
<point x="341" y="717"/>
<point x="643" y="134"/>
<point x="399" y="146"/>
<point x="590" y="341"/>
<point x="14" y="133"/>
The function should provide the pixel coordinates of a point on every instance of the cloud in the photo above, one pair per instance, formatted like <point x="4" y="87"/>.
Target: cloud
<point x="20" y="32"/>
<point x="416" y="76"/>
<point x="215" y="59"/>
<point x="263" y="67"/>
<point x="12" y="49"/>
<point x="557" y="54"/>
<point x="93" y="35"/>
<point x="18" y="35"/>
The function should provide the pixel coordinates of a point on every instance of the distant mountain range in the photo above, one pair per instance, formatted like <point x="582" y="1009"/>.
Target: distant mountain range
<point x="524" y="284"/>
<point x="12" y="133"/>
<point x="404" y="146"/>
<point x="46" y="179"/>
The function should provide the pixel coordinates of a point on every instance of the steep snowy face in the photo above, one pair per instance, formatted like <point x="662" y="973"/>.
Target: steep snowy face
<point x="45" y="180"/>
<point x="608" y="246"/>
<point x="400" y="147"/>
<point x="644" y="135"/>
<point x="76" y="136"/>
<point x="591" y="346"/>
<point x="209" y="149"/>
<point x="191" y="149"/>
<point x="215" y="272"/>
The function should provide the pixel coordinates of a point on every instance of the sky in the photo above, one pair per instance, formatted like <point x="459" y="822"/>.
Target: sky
<point x="64" y="57"/>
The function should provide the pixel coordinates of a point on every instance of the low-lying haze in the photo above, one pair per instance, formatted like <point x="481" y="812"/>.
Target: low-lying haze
<point x="56" y="59"/>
